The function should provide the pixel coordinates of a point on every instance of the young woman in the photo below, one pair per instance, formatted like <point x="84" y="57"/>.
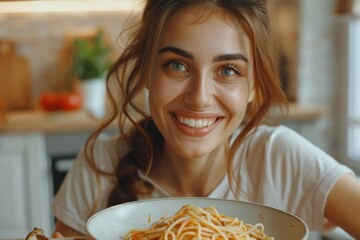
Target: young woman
<point x="210" y="69"/>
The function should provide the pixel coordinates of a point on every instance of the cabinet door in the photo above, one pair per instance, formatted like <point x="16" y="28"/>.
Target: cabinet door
<point x="39" y="178"/>
<point x="13" y="186"/>
<point x="24" y="194"/>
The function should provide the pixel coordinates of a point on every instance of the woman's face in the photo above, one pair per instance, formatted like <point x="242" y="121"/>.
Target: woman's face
<point x="201" y="82"/>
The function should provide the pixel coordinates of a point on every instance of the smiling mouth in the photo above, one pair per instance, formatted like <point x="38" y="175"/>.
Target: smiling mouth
<point x="196" y="122"/>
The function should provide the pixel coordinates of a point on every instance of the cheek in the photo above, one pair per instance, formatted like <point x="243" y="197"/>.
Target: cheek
<point x="161" y="91"/>
<point x="235" y="100"/>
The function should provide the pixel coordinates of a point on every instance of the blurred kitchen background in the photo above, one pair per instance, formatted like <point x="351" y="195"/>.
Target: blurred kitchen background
<point x="321" y="54"/>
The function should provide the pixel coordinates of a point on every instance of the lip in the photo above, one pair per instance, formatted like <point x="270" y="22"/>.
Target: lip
<point x="195" y="132"/>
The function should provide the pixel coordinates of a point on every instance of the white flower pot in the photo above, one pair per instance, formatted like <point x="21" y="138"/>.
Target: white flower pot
<point x="93" y="92"/>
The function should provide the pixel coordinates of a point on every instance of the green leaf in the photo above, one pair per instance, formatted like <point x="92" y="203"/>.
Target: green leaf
<point x="91" y="57"/>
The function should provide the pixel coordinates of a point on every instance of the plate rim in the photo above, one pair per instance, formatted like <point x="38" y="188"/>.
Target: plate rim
<point x="197" y="198"/>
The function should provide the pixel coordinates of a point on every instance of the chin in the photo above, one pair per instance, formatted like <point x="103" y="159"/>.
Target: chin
<point x="194" y="153"/>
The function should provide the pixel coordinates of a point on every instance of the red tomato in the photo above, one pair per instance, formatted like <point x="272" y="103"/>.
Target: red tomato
<point x="69" y="101"/>
<point x="62" y="101"/>
<point x="48" y="101"/>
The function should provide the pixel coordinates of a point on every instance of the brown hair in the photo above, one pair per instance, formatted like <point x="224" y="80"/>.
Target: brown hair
<point x="128" y="77"/>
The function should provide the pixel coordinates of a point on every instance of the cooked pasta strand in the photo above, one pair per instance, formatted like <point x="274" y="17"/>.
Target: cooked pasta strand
<point x="195" y="223"/>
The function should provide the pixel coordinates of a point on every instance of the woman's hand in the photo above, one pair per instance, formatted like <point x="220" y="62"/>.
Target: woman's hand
<point x="57" y="235"/>
<point x="63" y="230"/>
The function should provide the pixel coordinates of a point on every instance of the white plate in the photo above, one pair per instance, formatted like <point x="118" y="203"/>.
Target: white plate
<point x="114" y="222"/>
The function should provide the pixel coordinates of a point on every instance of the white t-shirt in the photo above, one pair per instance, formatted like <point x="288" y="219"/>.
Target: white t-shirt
<point x="275" y="166"/>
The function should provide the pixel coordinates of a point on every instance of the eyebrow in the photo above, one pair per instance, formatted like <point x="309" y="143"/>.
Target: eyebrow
<point x="227" y="57"/>
<point x="177" y="51"/>
<point x="224" y="57"/>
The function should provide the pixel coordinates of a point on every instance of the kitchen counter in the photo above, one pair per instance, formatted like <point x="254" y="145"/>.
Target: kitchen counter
<point x="49" y="122"/>
<point x="62" y="122"/>
<point x="299" y="112"/>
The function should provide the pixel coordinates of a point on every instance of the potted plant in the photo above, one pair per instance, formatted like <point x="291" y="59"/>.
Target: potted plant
<point x="91" y="57"/>
<point x="91" y="61"/>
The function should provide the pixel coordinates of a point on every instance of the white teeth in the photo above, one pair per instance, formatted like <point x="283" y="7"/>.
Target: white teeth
<point x="196" y="123"/>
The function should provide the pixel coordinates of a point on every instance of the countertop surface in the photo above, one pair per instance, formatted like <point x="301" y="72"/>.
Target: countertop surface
<point x="54" y="122"/>
<point x="49" y="122"/>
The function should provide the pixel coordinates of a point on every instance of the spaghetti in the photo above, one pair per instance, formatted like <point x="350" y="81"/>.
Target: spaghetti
<point x="195" y="223"/>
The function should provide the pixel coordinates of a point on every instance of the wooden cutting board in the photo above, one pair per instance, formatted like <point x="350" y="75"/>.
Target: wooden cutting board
<point x="15" y="85"/>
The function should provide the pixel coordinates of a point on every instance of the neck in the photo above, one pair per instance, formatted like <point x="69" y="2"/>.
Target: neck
<point x="190" y="177"/>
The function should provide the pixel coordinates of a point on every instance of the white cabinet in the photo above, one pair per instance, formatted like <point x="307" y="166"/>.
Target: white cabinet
<point x="24" y="187"/>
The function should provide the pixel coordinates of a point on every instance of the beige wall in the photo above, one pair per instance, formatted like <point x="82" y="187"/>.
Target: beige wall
<point x="40" y="37"/>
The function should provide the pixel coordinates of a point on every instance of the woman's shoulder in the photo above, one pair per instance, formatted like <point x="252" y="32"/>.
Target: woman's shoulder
<point x="283" y="145"/>
<point x="277" y="141"/>
<point x="267" y="132"/>
<point x="282" y="137"/>
<point x="114" y="144"/>
<point x="110" y="148"/>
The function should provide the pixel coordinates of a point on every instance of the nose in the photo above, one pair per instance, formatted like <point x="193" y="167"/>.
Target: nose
<point x="200" y="92"/>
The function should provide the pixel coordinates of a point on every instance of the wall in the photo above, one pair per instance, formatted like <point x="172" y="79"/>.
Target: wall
<point x="40" y="38"/>
<point x="317" y="82"/>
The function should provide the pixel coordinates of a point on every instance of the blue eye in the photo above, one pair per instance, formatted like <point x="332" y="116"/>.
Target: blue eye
<point x="177" y="66"/>
<point x="229" y="73"/>
<point x="229" y="70"/>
